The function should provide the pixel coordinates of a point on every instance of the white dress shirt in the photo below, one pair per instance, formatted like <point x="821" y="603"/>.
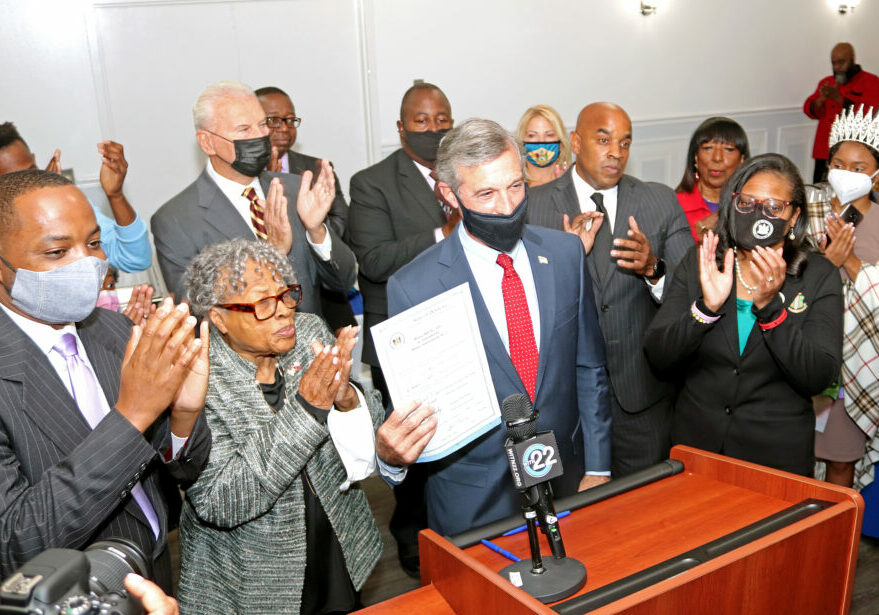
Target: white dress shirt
<point x="489" y="277"/>
<point x="584" y="197"/>
<point x="233" y="191"/>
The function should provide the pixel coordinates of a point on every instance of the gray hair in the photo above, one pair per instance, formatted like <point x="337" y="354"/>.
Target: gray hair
<point x="203" y="109"/>
<point x="470" y="144"/>
<point x="218" y="271"/>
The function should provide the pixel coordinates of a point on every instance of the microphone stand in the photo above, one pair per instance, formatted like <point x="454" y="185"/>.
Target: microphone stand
<point x="557" y="578"/>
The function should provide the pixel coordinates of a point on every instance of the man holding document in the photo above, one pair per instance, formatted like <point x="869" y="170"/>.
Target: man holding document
<point x="536" y="317"/>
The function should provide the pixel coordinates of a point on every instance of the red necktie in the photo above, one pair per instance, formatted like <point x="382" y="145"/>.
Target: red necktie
<point x="256" y="213"/>
<point x="523" y="348"/>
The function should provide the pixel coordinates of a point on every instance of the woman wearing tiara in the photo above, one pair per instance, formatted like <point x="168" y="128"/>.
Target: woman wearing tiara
<point x="845" y="224"/>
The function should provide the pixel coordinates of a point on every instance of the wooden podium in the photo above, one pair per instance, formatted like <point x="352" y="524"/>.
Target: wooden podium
<point x="722" y="536"/>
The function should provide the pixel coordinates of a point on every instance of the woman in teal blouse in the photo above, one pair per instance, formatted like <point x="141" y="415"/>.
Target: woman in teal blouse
<point x="750" y="325"/>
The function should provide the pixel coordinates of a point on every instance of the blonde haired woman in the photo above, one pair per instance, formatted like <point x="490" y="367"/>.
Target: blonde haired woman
<point x="547" y="147"/>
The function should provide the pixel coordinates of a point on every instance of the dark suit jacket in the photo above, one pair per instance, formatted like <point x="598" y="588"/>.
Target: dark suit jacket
<point x="63" y="484"/>
<point x="201" y="215"/>
<point x="472" y="486"/>
<point x="755" y="405"/>
<point x="625" y="305"/>
<point x="391" y="221"/>
<point x="338" y="216"/>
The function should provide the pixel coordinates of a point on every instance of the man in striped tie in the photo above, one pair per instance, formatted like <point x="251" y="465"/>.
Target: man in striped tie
<point x="236" y="197"/>
<point x="536" y="313"/>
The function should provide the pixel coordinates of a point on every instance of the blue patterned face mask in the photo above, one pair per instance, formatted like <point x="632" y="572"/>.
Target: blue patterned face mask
<point x="542" y="154"/>
<point x="58" y="296"/>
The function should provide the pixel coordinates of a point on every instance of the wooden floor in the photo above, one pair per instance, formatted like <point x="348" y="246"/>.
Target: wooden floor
<point x="389" y="580"/>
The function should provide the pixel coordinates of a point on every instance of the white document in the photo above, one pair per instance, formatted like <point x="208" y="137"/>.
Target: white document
<point x="433" y="352"/>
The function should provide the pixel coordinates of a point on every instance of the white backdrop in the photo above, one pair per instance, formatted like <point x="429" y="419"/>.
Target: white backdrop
<point x="78" y="71"/>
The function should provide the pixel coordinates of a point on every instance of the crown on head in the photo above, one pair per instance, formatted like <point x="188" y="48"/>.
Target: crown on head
<point x="861" y="127"/>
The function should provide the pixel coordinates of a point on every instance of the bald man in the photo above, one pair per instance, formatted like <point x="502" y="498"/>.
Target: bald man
<point x="633" y="233"/>
<point x="848" y="85"/>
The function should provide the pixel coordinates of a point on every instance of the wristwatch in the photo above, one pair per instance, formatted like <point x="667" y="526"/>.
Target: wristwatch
<point x="658" y="270"/>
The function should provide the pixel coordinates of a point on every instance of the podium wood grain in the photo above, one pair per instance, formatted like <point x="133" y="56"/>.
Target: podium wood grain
<point x="806" y="567"/>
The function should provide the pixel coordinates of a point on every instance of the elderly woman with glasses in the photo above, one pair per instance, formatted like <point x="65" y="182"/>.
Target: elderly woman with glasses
<point x="751" y="325"/>
<point x="274" y="524"/>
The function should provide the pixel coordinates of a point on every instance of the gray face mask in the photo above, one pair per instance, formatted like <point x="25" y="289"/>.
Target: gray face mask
<point x="58" y="296"/>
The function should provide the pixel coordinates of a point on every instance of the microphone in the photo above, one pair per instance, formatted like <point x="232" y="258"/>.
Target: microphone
<point x="534" y="461"/>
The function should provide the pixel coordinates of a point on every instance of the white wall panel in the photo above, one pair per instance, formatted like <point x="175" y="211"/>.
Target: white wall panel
<point x="157" y="56"/>
<point x="77" y="71"/>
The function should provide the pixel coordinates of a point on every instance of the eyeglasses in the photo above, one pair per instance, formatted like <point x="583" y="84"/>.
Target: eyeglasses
<point x="291" y="122"/>
<point x="266" y="308"/>
<point x="745" y="203"/>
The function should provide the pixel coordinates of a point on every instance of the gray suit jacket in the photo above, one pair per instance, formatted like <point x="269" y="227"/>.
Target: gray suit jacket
<point x="243" y="534"/>
<point x="201" y="215"/>
<point x="65" y="485"/>
<point x="625" y="305"/>
<point x="392" y="220"/>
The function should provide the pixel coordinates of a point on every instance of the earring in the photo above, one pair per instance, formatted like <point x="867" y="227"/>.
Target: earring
<point x="791" y="235"/>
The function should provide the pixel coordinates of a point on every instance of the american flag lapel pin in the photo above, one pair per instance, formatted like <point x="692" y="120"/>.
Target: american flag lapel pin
<point x="543" y="260"/>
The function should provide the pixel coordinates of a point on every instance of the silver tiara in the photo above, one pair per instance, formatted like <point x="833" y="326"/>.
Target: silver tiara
<point x="861" y="127"/>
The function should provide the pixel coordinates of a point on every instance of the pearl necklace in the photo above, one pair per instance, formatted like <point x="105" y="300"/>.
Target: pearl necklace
<point x="750" y="289"/>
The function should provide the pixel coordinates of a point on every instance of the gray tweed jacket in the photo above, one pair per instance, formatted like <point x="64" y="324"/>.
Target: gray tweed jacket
<point x="242" y="534"/>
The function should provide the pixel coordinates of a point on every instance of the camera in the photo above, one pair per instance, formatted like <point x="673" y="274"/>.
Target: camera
<point x="70" y="582"/>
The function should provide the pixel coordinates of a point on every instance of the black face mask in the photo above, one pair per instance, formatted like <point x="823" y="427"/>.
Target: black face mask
<point x="754" y="229"/>
<point x="497" y="231"/>
<point x="251" y="155"/>
<point x="425" y="144"/>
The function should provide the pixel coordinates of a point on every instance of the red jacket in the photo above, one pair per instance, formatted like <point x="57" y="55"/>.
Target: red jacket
<point x="694" y="207"/>
<point x="862" y="89"/>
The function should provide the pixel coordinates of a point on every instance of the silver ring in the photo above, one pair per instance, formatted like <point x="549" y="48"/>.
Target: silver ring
<point x="770" y="279"/>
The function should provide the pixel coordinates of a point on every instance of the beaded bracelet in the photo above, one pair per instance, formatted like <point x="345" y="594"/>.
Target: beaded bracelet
<point x="702" y="317"/>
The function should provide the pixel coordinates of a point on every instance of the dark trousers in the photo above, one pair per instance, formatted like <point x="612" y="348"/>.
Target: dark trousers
<point x="639" y="439"/>
<point x="410" y="513"/>
<point x="820" y="173"/>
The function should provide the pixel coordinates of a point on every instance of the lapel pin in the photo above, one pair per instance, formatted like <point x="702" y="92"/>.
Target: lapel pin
<point x="798" y="304"/>
<point x="542" y="260"/>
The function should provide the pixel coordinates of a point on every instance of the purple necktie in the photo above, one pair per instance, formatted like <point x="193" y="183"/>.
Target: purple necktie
<point x="87" y="394"/>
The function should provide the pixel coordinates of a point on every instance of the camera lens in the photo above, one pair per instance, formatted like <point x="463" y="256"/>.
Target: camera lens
<point x="111" y="560"/>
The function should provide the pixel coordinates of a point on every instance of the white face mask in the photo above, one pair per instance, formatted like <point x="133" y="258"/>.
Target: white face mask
<point x="850" y="186"/>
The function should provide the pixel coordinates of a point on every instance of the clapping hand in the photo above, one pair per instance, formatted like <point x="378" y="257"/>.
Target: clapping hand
<point x="140" y="305"/>
<point x="113" y="168"/>
<point x="275" y="165"/>
<point x="276" y="219"/>
<point x="585" y="226"/>
<point x="157" y="361"/>
<point x="54" y="165"/>
<point x="634" y="253"/>
<point x="314" y="202"/>
<point x="770" y="268"/>
<point x="841" y="239"/>
<point x="325" y="383"/>
<point x="716" y="284"/>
